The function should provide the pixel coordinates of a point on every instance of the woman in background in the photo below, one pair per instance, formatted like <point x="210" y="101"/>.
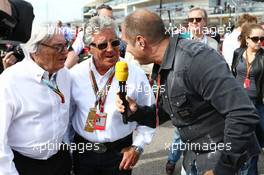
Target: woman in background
<point x="248" y="68"/>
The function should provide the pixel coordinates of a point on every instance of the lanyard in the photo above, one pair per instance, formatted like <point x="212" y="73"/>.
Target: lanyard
<point x="157" y="101"/>
<point x="54" y="89"/>
<point x="248" y="66"/>
<point x="102" y="94"/>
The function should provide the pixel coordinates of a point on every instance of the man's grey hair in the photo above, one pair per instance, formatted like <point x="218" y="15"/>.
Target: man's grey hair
<point x="39" y="34"/>
<point x="97" y="24"/>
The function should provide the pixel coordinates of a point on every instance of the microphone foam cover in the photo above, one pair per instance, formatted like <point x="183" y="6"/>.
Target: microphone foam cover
<point x="121" y="71"/>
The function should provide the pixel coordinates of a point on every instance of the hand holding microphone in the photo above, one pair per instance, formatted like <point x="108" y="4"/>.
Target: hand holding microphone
<point x="121" y="74"/>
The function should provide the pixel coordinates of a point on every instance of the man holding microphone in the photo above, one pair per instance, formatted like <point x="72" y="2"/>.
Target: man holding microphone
<point x="202" y="98"/>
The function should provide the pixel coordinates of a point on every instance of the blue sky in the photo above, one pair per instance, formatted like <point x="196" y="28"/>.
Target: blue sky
<point x="53" y="10"/>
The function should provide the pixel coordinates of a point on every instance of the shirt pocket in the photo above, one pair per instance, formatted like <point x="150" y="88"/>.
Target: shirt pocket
<point x="181" y="106"/>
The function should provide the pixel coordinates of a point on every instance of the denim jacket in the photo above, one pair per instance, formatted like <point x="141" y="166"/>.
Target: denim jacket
<point x="205" y="102"/>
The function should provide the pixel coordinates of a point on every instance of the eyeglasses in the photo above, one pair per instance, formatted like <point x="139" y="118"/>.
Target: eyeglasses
<point x="255" y="39"/>
<point x="58" y="47"/>
<point x="103" y="46"/>
<point x="196" y="19"/>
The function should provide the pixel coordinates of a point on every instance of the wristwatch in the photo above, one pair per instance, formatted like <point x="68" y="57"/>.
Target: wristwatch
<point x="139" y="150"/>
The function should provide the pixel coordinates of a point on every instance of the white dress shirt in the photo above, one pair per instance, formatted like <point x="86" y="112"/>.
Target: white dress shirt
<point x="32" y="118"/>
<point x="84" y="98"/>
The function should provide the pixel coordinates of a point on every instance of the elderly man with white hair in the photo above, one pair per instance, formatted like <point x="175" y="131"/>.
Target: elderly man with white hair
<point x="34" y="109"/>
<point x="112" y="151"/>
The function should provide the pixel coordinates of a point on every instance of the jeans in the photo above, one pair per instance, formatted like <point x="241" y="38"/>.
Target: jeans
<point x="174" y="151"/>
<point x="253" y="167"/>
<point x="260" y="126"/>
<point x="199" y="164"/>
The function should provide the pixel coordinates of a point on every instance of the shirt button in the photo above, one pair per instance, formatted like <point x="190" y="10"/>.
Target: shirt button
<point x="166" y="96"/>
<point x="177" y="103"/>
<point x="171" y="115"/>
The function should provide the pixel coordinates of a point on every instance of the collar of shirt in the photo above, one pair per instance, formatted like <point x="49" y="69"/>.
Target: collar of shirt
<point x="202" y="39"/>
<point x="169" y="54"/>
<point x="51" y="79"/>
<point x="35" y="70"/>
<point x="38" y="72"/>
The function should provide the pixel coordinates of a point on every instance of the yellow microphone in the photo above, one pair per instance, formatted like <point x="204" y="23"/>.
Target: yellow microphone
<point x="121" y="74"/>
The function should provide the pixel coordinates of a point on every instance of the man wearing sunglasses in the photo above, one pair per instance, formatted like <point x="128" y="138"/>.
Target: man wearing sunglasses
<point x="95" y="119"/>
<point x="214" y="116"/>
<point x="197" y="21"/>
<point x="34" y="109"/>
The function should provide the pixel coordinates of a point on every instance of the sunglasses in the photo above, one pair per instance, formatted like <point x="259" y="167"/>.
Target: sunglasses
<point x="255" y="39"/>
<point x="196" y="19"/>
<point x="58" y="47"/>
<point x="103" y="46"/>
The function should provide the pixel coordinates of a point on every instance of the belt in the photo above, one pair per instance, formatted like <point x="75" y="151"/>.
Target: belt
<point x="117" y="145"/>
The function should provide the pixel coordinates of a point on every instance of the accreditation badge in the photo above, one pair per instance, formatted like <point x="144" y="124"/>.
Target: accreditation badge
<point x="247" y="83"/>
<point x="89" y="124"/>
<point x="100" y="121"/>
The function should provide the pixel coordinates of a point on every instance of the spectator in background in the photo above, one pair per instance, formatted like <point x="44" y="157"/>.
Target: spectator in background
<point x="231" y="41"/>
<point x="78" y="44"/>
<point x="197" y="18"/>
<point x="75" y="46"/>
<point x="68" y="33"/>
<point x="76" y="49"/>
<point x="59" y="25"/>
<point x="66" y="30"/>
<point x="34" y="115"/>
<point x="105" y="10"/>
<point x="248" y="69"/>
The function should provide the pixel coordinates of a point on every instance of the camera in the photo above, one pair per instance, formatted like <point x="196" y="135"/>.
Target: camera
<point x="15" y="28"/>
<point x="8" y="46"/>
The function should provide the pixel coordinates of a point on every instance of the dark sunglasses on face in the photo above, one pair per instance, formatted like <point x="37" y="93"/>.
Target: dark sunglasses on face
<point x="58" y="47"/>
<point x="103" y="46"/>
<point x="255" y="39"/>
<point x="196" y="19"/>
